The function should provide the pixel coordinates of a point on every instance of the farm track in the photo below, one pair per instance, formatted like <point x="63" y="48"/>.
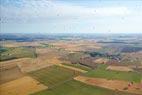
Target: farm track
<point x="72" y="68"/>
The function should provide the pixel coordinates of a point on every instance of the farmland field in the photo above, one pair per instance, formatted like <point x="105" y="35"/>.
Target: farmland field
<point x="26" y="87"/>
<point x="10" y="74"/>
<point x="109" y="74"/>
<point x="17" y="52"/>
<point x="77" y="88"/>
<point x="119" y="85"/>
<point x="70" y="67"/>
<point x="54" y="75"/>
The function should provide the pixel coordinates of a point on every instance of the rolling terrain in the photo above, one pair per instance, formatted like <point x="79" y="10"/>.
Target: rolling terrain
<point x="68" y="65"/>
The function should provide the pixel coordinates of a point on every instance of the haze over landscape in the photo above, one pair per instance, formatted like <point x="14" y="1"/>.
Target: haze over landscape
<point x="71" y="16"/>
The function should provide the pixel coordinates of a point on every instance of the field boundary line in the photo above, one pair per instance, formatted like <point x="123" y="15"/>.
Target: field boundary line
<point x="73" y="68"/>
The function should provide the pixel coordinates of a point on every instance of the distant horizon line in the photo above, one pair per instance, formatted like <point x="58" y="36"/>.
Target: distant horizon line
<point x="73" y="33"/>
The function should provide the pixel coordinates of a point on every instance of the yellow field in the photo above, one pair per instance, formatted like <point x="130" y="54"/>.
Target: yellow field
<point x="22" y="86"/>
<point x="76" y="45"/>
<point x="101" y="60"/>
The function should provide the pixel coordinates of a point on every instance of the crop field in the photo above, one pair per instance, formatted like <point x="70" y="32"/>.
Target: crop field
<point x="60" y="83"/>
<point x="101" y="72"/>
<point x="118" y="85"/>
<point x="76" y="45"/>
<point x="21" y="86"/>
<point x="10" y="74"/>
<point x="70" y="67"/>
<point x="120" y="68"/>
<point x="17" y="52"/>
<point x="77" y="88"/>
<point x="54" y="75"/>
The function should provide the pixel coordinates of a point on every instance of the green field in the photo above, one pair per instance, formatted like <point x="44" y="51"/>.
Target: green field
<point x="60" y="82"/>
<point x="16" y="52"/>
<point x="101" y="72"/>
<point x="77" y="88"/>
<point x="54" y="75"/>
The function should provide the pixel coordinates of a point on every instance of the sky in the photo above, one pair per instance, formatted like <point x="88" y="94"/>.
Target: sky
<point x="71" y="16"/>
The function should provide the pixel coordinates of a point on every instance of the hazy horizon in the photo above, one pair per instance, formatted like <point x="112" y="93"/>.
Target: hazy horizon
<point x="69" y="16"/>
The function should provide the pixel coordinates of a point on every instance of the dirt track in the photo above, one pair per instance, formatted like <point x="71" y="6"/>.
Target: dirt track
<point x="111" y="84"/>
<point x="73" y="68"/>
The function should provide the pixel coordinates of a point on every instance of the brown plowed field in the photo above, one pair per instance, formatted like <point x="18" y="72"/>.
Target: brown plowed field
<point x="10" y="74"/>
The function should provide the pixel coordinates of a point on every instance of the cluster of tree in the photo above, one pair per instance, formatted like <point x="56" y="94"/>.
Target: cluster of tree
<point x="107" y="55"/>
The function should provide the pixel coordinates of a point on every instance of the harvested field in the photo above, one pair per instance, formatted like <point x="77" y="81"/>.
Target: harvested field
<point x="29" y="65"/>
<point x="101" y="60"/>
<point x="119" y="68"/>
<point x="10" y="74"/>
<point x="76" y="45"/>
<point x="112" y="84"/>
<point x="24" y="64"/>
<point x="46" y="51"/>
<point x="22" y="86"/>
<point x="11" y="63"/>
<point x="46" y="57"/>
<point x="32" y="66"/>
